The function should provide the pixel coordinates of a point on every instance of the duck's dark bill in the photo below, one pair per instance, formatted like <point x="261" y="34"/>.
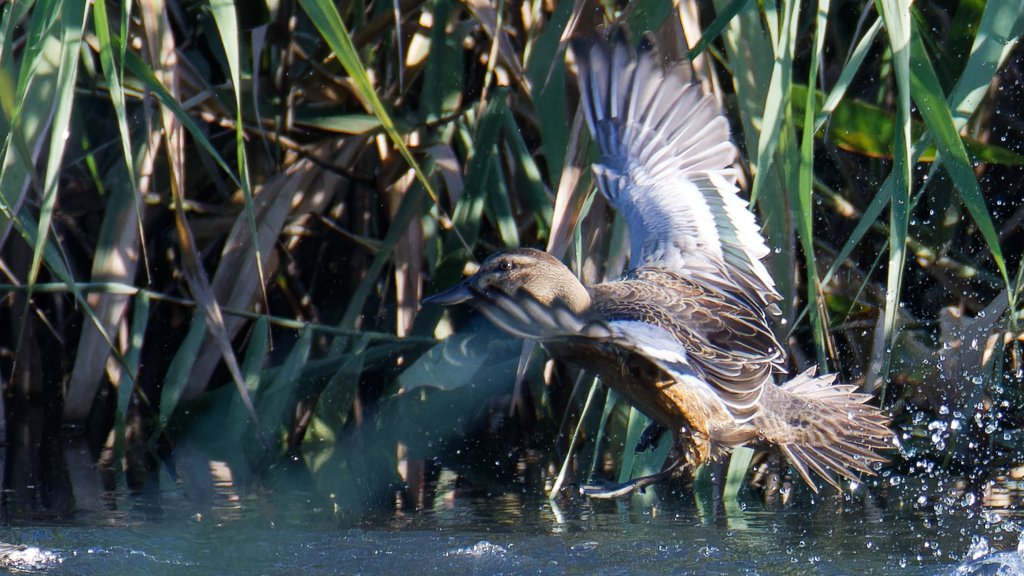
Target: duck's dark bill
<point x="460" y="293"/>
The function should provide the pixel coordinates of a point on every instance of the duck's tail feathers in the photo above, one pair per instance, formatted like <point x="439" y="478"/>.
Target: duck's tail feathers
<point x="826" y="428"/>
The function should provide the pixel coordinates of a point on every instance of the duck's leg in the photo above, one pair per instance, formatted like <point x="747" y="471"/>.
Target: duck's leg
<point x="611" y="490"/>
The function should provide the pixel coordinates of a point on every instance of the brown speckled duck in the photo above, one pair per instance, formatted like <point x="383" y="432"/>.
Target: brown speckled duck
<point x="684" y="335"/>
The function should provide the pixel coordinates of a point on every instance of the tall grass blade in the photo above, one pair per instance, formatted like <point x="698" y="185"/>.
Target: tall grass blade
<point x="611" y="403"/>
<point x="751" y="53"/>
<point x="337" y="397"/>
<point x="327" y="20"/>
<point x="256" y="354"/>
<point x="177" y="377"/>
<point x="408" y="210"/>
<point x="227" y="24"/>
<point x="804" y="217"/>
<point x="138" y="67"/>
<point x="467" y="214"/>
<point x="645" y="463"/>
<point x="498" y="194"/>
<point x="569" y="196"/>
<point x="72" y="23"/>
<point x="719" y="24"/>
<point x="115" y="260"/>
<point x="31" y="108"/>
<point x="927" y="93"/>
<point x="528" y="174"/>
<point x="1001" y="26"/>
<point x="556" y="487"/>
<point x="850" y="70"/>
<point x="996" y="36"/>
<point x="236" y="283"/>
<point x="962" y="32"/>
<point x="739" y="465"/>
<point x="896" y="14"/>
<point x="776" y="101"/>
<point x="546" y="72"/>
<point x="272" y="400"/>
<point x="113" y="74"/>
<point x="999" y="19"/>
<point x="440" y="97"/>
<point x="490" y="20"/>
<point x="133" y="359"/>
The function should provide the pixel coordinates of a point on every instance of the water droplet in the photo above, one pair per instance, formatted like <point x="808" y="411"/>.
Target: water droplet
<point x="979" y="548"/>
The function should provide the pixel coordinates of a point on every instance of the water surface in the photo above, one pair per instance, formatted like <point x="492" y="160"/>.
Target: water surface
<point x="907" y="530"/>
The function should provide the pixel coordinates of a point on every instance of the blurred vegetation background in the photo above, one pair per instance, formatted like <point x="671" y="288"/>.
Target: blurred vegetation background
<point x="218" y="221"/>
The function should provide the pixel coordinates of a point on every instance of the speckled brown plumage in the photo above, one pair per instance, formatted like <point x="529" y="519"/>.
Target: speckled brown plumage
<point x="728" y="340"/>
<point x="684" y="335"/>
<point x="698" y="361"/>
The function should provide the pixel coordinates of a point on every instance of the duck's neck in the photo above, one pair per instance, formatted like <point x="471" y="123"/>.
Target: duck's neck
<point x="559" y="285"/>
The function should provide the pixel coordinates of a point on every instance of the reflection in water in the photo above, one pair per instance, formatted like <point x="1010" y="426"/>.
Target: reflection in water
<point x="910" y="529"/>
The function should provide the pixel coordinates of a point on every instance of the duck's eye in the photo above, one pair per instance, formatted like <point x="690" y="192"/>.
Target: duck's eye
<point x="504" y="265"/>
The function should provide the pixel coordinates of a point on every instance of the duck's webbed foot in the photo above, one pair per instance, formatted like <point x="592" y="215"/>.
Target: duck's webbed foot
<point x="614" y="490"/>
<point x="650" y="437"/>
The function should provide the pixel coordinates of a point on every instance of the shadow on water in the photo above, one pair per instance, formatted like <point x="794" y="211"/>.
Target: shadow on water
<point x="224" y="529"/>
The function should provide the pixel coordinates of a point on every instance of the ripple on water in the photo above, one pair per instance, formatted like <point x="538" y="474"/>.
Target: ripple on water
<point x="912" y="530"/>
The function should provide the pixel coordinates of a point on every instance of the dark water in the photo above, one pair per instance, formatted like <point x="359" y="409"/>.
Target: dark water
<point x="909" y="530"/>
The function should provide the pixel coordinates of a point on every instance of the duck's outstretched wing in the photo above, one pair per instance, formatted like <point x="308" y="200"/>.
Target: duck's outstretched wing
<point x="727" y="342"/>
<point x="666" y="164"/>
<point x="631" y="316"/>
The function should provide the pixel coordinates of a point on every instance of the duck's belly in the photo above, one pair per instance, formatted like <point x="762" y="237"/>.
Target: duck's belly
<point x="674" y="405"/>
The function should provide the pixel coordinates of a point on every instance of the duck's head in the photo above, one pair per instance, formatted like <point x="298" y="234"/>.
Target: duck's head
<point x="519" y="275"/>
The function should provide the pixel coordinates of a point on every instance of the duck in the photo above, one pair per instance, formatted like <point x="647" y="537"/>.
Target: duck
<point x="684" y="336"/>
